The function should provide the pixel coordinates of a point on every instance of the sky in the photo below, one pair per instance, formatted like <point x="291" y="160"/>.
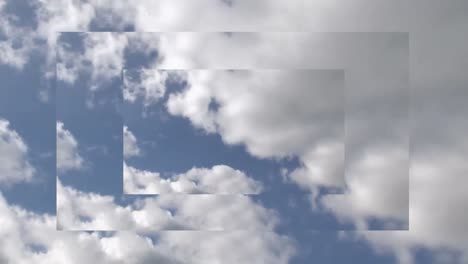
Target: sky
<point x="317" y="124"/>
<point x="314" y="132"/>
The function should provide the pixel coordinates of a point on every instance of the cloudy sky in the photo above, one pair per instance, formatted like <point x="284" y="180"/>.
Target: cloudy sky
<point x="233" y="131"/>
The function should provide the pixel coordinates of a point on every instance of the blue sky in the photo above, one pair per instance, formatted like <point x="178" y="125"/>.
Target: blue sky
<point x="383" y="140"/>
<point x="34" y="121"/>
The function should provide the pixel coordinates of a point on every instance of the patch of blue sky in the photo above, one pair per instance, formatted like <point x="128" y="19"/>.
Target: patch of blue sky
<point x="24" y="12"/>
<point x="34" y="121"/>
<point x="96" y="124"/>
<point x="94" y="119"/>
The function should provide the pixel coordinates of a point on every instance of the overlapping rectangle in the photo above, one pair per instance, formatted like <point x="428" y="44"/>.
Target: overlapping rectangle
<point x="376" y="66"/>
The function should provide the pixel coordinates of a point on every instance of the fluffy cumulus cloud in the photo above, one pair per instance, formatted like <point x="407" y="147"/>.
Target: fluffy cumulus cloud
<point x="377" y="85"/>
<point x="14" y="163"/>
<point x="32" y="238"/>
<point x="242" y="15"/>
<point x="130" y="144"/>
<point x="265" y="109"/>
<point x="104" y="58"/>
<point x="62" y="16"/>
<point x="225" y="247"/>
<point x="322" y="166"/>
<point x="180" y="15"/>
<point x="275" y="122"/>
<point x="77" y="210"/>
<point x="69" y="16"/>
<point x="151" y="86"/>
<point x="68" y="157"/>
<point x="220" y="179"/>
<point x="438" y="200"/>
<point x="216" y="15"/>
<point x="374" y="188"/>
<point x="16" y="42"/>
<point x="437" y="212"/>
<point x="21" y="39"/>
<point x="54" y="16"/>
<point x="274" y="113"/>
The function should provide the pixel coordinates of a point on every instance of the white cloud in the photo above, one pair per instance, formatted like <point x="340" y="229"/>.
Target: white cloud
<point x="103" y="59"/>
<point x="16" y="57"/>
<point x="438" y="198"/>
<point x="437" y="211"/>
<point x="322" y="166"/>
<point x="247" y="16"/>
<point x="151" y="86"/>
<point x="14" y="164"/>
<point x="376" y="106"/>
<point x="274" y="113"/>
<point x="227" y="247"/>
<point x="130" y="144"/>
<point x="32" y="238"/>
<point x="68" y="157"/>
<point x="56" y="16"/>
<point x="219" y="179"/>
<point x="17" y="42"/>
<point x="377" y="186"/>
<point x="310" y="130"/>
<point x="243" y="15"/>
<point x="77" y="210"/>
<point x="214" y="15"/>
<point x="88" y="211"/>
